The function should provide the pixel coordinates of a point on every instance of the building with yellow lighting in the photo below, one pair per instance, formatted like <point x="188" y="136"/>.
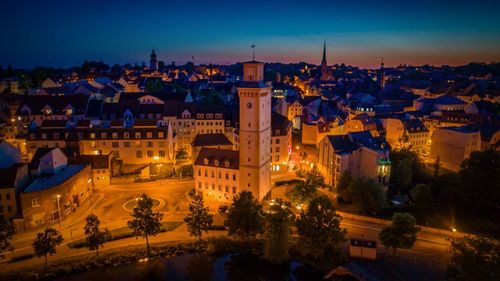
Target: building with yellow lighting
<point x="359" y="154"/>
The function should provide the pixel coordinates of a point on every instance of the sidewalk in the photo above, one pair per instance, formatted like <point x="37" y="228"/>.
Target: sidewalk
<point x="68" y="221"/>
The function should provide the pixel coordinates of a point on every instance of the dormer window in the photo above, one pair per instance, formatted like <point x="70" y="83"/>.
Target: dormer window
<point x="226" y="164"/>
<point x="216" y="162"/>
<point x="205" y="161"/>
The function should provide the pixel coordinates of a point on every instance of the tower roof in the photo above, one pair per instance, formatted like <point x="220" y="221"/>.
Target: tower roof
<point x="323" y="61"/>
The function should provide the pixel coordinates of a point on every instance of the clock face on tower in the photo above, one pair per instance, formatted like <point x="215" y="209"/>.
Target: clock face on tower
<point x="249" y="105"/>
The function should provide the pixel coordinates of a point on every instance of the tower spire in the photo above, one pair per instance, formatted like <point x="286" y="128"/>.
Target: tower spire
<point x="253" y="52"/>
<point x="323" y="61"/>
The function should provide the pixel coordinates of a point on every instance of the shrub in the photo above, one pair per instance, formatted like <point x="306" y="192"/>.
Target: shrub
<point x="224" y="245"/>
<point x="21" y="257"/>
<point x="122" y="233"/>
<point x="217" y="227"/>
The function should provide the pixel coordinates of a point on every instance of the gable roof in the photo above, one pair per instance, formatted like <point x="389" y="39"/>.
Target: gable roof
<point x="48" y="181"/>
<point x="446" y="99"/>
<point x="280" y="122"/>
<point x="342" y="144"/>
<point x="221" y="155"/>
<point x="210" y="140"/>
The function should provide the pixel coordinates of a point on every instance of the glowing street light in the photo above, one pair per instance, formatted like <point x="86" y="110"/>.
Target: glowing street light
<point x="58" y="209"/>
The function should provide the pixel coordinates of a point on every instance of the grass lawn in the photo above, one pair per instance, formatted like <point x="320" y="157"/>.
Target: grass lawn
<point x="131" y="204"/>
<point x="125" y="232"/>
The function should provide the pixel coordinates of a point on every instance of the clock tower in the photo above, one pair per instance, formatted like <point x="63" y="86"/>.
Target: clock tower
<point x="255" y="131"/>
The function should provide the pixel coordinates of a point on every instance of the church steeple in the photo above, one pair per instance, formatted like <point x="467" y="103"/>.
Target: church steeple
<point x="153" y="61"/>
<point x="382" y="74"/>
<point x="325" y="73"/>
<point x="323" y="61"/>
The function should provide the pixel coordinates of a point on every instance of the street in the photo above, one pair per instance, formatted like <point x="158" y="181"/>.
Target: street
<point x="110" y="205"/>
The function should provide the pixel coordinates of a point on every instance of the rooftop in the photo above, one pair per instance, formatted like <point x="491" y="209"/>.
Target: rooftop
<point x="225" y="158"/>
<point x="463" y="129"/>
<point x="52" y="180"/>
<point x="211" y="140"/>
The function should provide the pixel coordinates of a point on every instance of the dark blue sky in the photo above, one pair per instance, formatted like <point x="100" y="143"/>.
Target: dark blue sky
<point x="64" y="32"/>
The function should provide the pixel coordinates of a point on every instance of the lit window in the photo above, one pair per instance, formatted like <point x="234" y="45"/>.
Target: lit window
<point x="35" y="202"/>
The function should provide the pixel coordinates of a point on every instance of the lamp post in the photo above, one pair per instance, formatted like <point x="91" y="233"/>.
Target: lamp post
<point x="58" y="209"/>
<point x="454" y="231"/>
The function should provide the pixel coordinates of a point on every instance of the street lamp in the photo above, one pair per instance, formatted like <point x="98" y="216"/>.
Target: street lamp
<point x="58" y="209"/>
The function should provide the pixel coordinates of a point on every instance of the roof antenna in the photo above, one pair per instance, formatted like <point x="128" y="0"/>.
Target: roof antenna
<point x="253" y="52"/>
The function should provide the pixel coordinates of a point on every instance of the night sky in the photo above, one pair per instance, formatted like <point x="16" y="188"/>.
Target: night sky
<point x="64" y="33"/>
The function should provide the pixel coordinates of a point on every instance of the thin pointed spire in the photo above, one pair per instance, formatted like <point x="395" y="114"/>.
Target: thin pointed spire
<point x="323" y="61"/>
<point x="253" y="52"/>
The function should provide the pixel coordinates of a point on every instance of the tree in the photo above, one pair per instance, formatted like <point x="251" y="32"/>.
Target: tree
<point x="474" y="258"/>
<point x="199" y="219"/>
<point x="368" y="195"/>
<point x="95" y="238"/>
<point x="186" y="171"/>
<point x="278" y="232"/>
<point x="401" y="233"/>
<point x="145" y="222"/>
<point x="306" y="188"/>
<point x="46" y="242"/>
<point x="181" y="154"/>
<point x="343" y="187"/>
<point x="7" y="230"/>
<point x="406" y="169"/>
<point x="421" y="194"/>
<point x="401" y="174"/>
<point x="319" y="227"/>
<point x="479" y="176"/>
<point x="154" y="86"/>
<point x="116" y="69"/>
<point x="245" y="216"/>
